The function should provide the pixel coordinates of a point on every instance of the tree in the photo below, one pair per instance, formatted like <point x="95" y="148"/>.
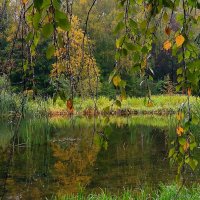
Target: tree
<point x="80" y="67"/>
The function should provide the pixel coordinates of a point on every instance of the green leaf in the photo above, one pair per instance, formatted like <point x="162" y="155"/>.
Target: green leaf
<point x="56" y="4"/>
<point x="171" y="152"/>
<point x="62" y="96"/>
<point x="119" y="42"/>
<point x="179" y="71"/>
<point x="106" y="109"/>
<point x="25" y="66"/>
<point x="130" y="46"/>
<point x="50" y="51"/>
<point x="46" y="4"/>
<point x="60" y="15"/>
<point x="120" y="26"/>
<point x="182" y="141"/>
<point x="64" y="24"/>
<point x="122" y="84"/>
<point x="36" y="20"/>
<point x="192" y="163"/>
<point x="29" y="37"/>
<point x="118" y="103"/>
<point x="47" y="30"/>
<point x="165" y="17"/>
<point x="38" y="4"/>
<point x="132" y="24"/>
<point x="193" y="145"/>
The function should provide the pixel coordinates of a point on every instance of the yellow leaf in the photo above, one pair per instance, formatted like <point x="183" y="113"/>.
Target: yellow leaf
<point x="179" y="116"/>
<point x="24" y="1"/>
<point x="116" y="80"/>
<point x="186" y="146"/>
<point x="167" y="45"/>
<point x="179" y="40"/>
<point x="179" y="131"/>
<point x="150" y="104"/>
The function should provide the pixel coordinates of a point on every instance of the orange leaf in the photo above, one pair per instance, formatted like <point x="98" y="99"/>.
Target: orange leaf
<point x="189" y="91"/>
<point x="179" y="131"/>
<point x="70" y="105"/>
<point x="167" y="45"/>
<point x="179" y="40"/>
<point x="149" y="7"/>
<point x="150" y="104"/>
<point x="167" y="30"/>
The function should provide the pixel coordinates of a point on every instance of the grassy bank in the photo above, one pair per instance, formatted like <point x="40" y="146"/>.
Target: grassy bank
<point x="164" y="193"/>
<point x="162" y="104"/>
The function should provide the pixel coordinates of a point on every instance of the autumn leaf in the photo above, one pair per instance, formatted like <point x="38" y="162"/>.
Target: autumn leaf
<point x="24" y="1"/>
<point x="186" y="146"/>
<point x="179" y="40"/>
<point x="167" y="45"/>
<point x="179" y="131"/>
<point x="116" y="80"/>
<point x="70" y="105"/>
<point x="189" y="91"/>
<point x="149" y="7"/>
<point x="167" y="30"/>
<point x="179" y="116"/>
<point x="150" y="104"/>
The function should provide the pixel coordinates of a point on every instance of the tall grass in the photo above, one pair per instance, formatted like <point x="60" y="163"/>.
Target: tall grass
<point x="164" y="193"/>
<point x="13" y="103"/>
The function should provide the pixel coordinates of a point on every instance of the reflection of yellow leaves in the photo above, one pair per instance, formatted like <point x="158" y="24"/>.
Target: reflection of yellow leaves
<point x="167" y="45"/>
<point x="116" y="80"/>
<point x="179" y="40"/>
<point x="179" y="131"/>
<point x="189" y="91"/>
<point x="60" y="166"/>
<point x="186" y="146"/>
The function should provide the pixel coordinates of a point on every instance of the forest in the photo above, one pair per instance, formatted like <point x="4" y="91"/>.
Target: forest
<point x="99" y="99"/>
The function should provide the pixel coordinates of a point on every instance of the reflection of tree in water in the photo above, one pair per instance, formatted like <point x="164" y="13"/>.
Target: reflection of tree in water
<point x="73" y="164"/>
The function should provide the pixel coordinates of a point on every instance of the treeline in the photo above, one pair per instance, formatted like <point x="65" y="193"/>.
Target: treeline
<point x="99" y="55"/>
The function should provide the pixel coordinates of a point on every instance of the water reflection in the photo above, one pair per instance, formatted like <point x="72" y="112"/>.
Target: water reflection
<point x="58" y="156"/>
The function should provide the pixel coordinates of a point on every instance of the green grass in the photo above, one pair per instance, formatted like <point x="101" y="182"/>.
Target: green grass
<point x="164" y="193"/>
<point x="160" y="102"/>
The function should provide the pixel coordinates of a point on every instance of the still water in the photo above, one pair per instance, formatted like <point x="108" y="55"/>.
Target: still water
<point x="60" y="156"/>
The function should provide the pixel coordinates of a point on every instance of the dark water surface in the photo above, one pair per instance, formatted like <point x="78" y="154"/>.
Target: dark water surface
<point x="60" y="156"/>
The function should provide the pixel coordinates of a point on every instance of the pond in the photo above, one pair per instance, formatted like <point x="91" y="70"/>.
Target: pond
<point x="60" y="156"/>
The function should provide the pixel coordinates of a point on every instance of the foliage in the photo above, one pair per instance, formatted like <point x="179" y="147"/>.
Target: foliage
<point x="84" y="77"/>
